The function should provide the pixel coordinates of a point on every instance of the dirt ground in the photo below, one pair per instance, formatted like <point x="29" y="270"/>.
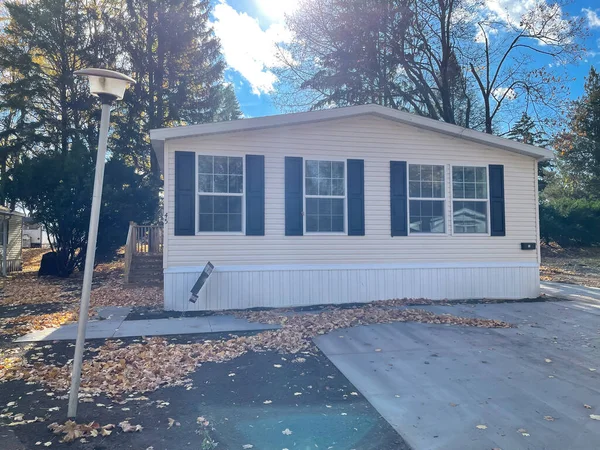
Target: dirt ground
<point x="571" y="265"/>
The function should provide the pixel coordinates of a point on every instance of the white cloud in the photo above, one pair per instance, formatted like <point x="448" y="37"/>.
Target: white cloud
<point x="277" y="9"/>
<point x="592" y="17"/>
<point x="248" y="48"/>
<point x="500" y="91"/>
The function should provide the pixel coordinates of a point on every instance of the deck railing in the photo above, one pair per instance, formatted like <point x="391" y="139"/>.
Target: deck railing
<point x="142" y="239"/>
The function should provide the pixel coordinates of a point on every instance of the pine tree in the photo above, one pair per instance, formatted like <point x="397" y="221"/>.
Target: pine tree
<point x="526" y="131"/>
<point x="579" y="147"/>
<point x="175" y="58"/>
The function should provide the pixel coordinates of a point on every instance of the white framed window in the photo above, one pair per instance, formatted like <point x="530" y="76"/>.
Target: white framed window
<point x="220" y="194"/>
<point x="470" y="200"/>
<point x="324" y="196"/>
<point x="426" y="198"/>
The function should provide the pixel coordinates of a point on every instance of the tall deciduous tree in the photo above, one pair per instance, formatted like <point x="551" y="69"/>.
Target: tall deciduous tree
<point x="445" y="59"/>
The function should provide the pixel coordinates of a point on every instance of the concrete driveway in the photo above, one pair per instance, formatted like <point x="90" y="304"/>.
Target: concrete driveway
<point x="527" y="385"/>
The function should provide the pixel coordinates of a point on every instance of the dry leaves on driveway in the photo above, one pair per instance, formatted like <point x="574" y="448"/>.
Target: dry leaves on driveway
<point x="141" y="367"/>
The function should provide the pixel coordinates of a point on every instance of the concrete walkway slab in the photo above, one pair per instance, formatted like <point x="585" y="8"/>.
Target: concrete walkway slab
<point x="434" y="383"/>
<point x="117" y="327"/>
<point x="570" y="291"/>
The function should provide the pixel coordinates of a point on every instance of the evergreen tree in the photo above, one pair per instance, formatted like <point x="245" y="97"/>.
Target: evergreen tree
<point x="170" y="50"/>
<point x="229" y="108"/>
<point x="526" y="131"/>
<point x="579" y="148"/>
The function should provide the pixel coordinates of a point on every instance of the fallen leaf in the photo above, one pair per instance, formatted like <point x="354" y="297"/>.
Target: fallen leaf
<point x="548" y="360"/>
<point x="277" y="366"/>
<point x="587" y="406"/>
<point x="482" y="427"/>
<point x="549" y="418"/>
<point x="287" y="432"/>
<point x="267" y="402"/>
<point x="247" y="446"/>
<point x="594" y="416"/>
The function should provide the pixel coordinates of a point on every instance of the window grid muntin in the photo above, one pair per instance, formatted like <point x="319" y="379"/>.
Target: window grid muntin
<point x="479" y="199"/>
<point x="437" y="174"/>
<point x="308" y="218"/>
<point x="199" y="193"/>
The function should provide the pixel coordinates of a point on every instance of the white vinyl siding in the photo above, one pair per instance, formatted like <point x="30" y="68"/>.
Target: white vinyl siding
<point x="378" y="141"/>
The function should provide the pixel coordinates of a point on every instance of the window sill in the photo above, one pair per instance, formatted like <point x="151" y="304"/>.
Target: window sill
<point x="324" y="233"/>
<point x="220" y="233"/>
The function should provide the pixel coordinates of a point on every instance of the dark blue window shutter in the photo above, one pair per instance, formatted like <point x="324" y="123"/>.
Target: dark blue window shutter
<point x="497" y="208"/>
<point x="356" y="197"/>
<point x="185" y="197"/>
<point x="293" y="197"/>
<point x="255" y="195"/>
<point x="398" y="198"/>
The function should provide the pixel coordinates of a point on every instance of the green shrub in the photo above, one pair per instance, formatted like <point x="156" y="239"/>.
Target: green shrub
<point x="570" y="222"/>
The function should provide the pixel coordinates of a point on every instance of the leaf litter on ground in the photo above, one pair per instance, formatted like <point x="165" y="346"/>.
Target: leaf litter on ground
<point x="115" y="369"/>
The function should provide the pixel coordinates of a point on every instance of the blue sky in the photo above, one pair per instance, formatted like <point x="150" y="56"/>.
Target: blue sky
<point x="249" y="29"/>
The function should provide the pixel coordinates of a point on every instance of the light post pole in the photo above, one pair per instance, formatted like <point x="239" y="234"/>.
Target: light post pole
<point x="108" y="86"/>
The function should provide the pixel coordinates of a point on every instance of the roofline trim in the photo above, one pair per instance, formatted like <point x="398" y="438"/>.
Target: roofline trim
<point x="158" y="136"/>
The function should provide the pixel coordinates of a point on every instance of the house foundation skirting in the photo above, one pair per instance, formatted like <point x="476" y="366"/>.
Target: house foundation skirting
<point x="239" y="287"/>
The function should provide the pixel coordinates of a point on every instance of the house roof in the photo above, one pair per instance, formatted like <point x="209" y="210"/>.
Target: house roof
<point x="4" y="211"/>
<point x="159" y="136"/>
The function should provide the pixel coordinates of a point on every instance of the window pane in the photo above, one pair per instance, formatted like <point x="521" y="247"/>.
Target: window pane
<point x="235" y="184"/>
<point x="481" y="174"/>
<point x="325" y="223"/>
<point x="481" y="190"/>
<point x="324" y="169"/>
<point x="220" y="221"/>
<point x="324" y="186"/>
<point x="221" y="205"/>
<point x="312" y="223"/>
<point x="470" y="174"/>
<point x="205" y="164"/>
<point x="235" y="222"/>
<point x="438" y="189"/>
<point x="312" y="206"/>
<point x="427" y="216"/>
<point x="337" y="224"/>
<point x="414" y="189"/>
<point x="205" y="183"/>
<point x="236" y="166"/>
<point x="324" y="206"/>
<point x="470" y="217"/>
<point x="337" y="187"/>
<point x="458" y="190"/>
<point x="206" y="204"/>
<point x="469" y="190"/>
<point x="312" y="186"/>
<point x="312" y="169"/>
<point x="221" y="183"/>
<point x="438" y="173"/>
<point x="337" y="169"/>
<point x="427" y="189"/>
<point x="235" y="205"/>
<point x="426" y="173"/>
<point x="221" y="165"/>
<point x="457" y="175"/>
<point x="337" y="207"/>
<point x="414" y="172"/>
<point x="206" y="222"/>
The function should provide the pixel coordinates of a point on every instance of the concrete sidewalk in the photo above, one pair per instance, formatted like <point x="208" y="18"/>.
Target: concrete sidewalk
<point x="112" y="324"/>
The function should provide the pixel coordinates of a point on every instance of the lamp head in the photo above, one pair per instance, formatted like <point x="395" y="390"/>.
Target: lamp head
<point x="106" y="84"/>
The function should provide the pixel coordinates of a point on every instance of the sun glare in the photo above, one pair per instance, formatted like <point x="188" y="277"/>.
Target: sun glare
<point x="276" y="9"/>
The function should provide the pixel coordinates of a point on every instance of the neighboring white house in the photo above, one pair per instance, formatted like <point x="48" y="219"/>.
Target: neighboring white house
<point x="346" y="205"/>
<point x="34" y="234"/>
<point x="11" y="244"/>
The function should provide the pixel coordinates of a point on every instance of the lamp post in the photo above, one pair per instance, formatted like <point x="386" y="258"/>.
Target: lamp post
<point x="108" y="86"/>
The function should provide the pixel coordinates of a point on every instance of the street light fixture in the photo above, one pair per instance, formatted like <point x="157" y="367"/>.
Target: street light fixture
<point x="108" y="86"/>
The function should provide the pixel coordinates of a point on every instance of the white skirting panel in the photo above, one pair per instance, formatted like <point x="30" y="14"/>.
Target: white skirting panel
<point x="242" y="287"/>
